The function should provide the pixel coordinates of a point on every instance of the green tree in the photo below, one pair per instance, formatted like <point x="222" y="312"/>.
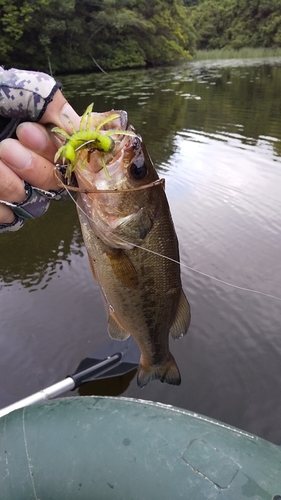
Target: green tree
<point x="170" y="36"/>
<point x="237" y="23"/>
<point x="136" y="33"/>
<point x="38" y="35"/>
<point x="68" y="35"/>
<point x="188" y="3"/>
<point x="110" y="29"/>
<point x="14" y="20"/>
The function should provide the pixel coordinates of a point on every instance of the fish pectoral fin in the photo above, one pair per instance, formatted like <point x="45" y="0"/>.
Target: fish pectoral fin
<point x="182" y="319"/>
<point x="123" y="269"/>
<point x="166" y="372"/>
<point x="136" y="226"/>
<point x="115" y="329"/>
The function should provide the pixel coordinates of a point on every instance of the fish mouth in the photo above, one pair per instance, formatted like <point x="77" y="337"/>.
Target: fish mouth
<point x="119" y="120"/>
<point x="123" y="144"/>
<point x="124" y="122"/>
<point x="120" y="140"/>
<point x="101" y="170"/>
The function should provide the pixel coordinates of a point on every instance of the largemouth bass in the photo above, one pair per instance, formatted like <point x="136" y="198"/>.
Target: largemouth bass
<point x="132" y="245"/>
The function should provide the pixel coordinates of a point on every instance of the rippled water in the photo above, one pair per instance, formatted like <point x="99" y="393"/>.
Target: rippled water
<point x="214" y="132"/>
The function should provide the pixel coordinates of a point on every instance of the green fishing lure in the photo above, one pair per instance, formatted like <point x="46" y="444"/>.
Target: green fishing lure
<point x="86" y="138"/>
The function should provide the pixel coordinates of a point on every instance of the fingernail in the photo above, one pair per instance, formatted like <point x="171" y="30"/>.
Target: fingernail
<point x="14" y="154"/>
<point x="32" y="135"/>
<point x="68" y="113"/>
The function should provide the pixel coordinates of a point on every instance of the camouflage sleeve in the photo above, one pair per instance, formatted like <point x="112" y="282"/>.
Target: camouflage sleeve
<point x="24" y="96"/>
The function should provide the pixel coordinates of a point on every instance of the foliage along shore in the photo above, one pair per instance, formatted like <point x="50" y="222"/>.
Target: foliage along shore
<point x="68" y="36"/>
<point x="243" y="53"/>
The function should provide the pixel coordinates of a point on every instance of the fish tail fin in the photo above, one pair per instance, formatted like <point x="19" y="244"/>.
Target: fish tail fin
<point x="166" y="372"/>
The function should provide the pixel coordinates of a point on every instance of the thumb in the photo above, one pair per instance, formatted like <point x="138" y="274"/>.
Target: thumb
<point x="59" y="112"/>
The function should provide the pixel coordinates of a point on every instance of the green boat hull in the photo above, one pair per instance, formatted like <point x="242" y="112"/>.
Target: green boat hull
<point x="112" y="448"/>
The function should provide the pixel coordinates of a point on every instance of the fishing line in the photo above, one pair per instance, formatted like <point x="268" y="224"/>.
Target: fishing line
<point x="205" y="274"/>
<point x="223" y="282"/>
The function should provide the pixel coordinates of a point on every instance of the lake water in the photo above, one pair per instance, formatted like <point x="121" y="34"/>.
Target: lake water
<point x="213" y="130"/>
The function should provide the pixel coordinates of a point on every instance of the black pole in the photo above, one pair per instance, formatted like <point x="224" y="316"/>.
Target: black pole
<point x="95" y="370"/>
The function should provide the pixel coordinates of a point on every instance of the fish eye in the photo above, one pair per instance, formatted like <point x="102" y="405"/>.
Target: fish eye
<point x="138" y="171"/>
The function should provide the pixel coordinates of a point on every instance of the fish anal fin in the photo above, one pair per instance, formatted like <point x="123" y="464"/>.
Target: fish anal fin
<point x="182" y="318"/>
<point x="115" y="329"/>
<point x="123" y="269"/>
<point x="167" y="372"/>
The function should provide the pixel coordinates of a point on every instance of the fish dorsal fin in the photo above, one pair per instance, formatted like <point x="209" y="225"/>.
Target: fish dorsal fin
<point x="123" y="269"/>
<point x="115" y="329"/>
<point x="182" y="318"/>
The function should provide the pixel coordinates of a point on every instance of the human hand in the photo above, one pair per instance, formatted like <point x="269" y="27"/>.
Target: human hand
<point x="30" y="159"/>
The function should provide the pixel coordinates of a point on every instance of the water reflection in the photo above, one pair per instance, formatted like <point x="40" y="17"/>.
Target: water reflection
<point x="117" y="386"/>
<point x="37" y="253"/>
<point x="211" y="99"/>
<point x="214" y="132"/>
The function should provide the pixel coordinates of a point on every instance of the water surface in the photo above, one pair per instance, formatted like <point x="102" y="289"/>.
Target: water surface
<point x="214" y="132"/>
